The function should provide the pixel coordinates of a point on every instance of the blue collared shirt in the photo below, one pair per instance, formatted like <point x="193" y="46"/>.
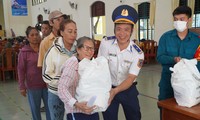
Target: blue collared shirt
<point x="71" y="51"/>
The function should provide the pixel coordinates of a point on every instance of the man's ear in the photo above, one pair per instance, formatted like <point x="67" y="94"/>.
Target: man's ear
<point x="51" y="22"/>
<point x="61" y="32"/>
<point x="132" y="31"/>
<point x="190" y="19"/>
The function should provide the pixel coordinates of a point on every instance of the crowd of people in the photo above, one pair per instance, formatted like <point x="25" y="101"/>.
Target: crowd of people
<point x="48" y="65"/>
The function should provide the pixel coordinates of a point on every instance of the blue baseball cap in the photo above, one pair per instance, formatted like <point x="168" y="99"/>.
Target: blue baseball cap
<point x="125" y="14"/>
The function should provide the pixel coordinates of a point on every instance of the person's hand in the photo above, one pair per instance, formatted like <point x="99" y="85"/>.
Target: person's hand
<point x="23" y="92"/>
<point x="113" y="92"/>
<point x="177" y="59"/>
<point x="83" y="106"/>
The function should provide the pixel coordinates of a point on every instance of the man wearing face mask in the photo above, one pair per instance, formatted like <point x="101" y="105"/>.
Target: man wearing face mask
<point x="174" y="45"/>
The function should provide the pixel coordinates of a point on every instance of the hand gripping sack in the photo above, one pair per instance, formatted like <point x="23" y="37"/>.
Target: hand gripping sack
<point x="95" y="83"/>
<point x="185" y="82"/>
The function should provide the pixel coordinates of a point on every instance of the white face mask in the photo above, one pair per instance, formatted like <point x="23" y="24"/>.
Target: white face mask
<point x="180" y="25"/>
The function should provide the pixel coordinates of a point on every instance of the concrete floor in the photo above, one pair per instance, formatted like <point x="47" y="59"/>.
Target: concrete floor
<point x="13" y="106"/>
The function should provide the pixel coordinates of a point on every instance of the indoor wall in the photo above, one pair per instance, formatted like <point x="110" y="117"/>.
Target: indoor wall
<point x="2" y="23"/>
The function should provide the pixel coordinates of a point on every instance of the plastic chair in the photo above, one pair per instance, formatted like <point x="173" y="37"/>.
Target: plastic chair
<point x="8" y="58"/>
<point x="150" y="50"/>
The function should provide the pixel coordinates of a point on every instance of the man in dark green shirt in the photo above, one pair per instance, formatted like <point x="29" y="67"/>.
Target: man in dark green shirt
<point x="174" y="45"/>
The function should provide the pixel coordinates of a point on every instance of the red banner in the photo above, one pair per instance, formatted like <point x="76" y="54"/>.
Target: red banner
<point x="197" y="54"/>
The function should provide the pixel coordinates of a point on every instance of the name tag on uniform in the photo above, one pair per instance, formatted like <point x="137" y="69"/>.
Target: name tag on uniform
<point x="111" y="54"/>
<point x="126" y="61"/>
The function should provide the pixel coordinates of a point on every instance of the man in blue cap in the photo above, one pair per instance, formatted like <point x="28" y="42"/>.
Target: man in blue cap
<point x="125" y="61"/>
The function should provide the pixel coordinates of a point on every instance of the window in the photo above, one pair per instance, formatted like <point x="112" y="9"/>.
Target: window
<point x="36" y="2"/>
<point x="183" y="2"/>
<point x="98" y="20"/>
<point x="98" y="24"/>
<point x="196" y="16"/>
<point x="145" y="30"/>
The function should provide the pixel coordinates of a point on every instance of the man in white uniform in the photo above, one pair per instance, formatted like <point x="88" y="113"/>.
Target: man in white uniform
<point x="125" y="61"/>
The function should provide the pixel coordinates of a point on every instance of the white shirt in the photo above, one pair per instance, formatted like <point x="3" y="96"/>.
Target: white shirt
<point x="121" y="63"/>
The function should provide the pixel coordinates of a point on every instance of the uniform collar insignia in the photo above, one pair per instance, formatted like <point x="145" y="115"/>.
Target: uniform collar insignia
<point x="124" y="12"/>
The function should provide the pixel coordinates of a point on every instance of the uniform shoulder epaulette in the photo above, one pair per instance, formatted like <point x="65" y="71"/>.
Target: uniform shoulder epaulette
<point x="137" y="49"/>
<point x="110" y="37"/>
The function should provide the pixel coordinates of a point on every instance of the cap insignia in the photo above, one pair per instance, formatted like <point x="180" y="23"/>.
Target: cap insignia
<point x="124" y="12"/>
